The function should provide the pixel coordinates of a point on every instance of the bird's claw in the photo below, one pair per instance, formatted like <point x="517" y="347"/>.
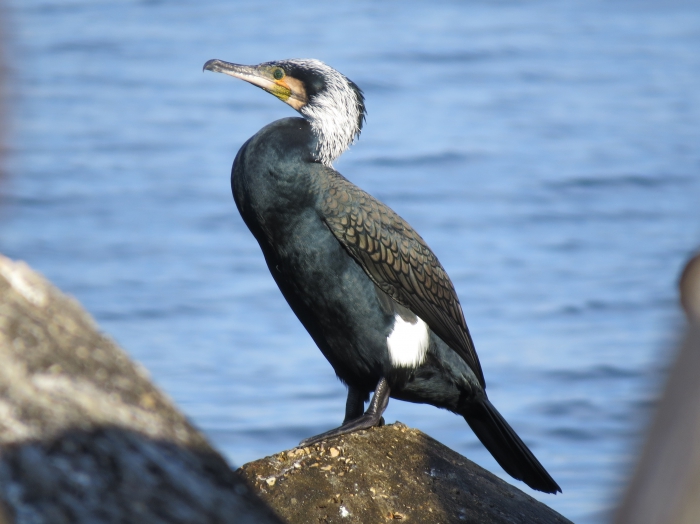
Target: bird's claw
<point x="366" y="421"/>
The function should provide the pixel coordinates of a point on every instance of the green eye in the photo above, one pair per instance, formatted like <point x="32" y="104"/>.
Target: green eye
<point x="278" y="74"/>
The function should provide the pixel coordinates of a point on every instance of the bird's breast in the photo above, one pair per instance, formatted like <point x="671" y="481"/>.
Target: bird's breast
<point x="334" y="300"/>
<point x="272" y="178"/>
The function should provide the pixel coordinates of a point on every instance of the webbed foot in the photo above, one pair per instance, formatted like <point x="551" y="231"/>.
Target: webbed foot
<point x="372" y="417"/>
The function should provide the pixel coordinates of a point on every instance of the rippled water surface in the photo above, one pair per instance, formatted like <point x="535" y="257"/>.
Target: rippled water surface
<point x="547" y="151"/>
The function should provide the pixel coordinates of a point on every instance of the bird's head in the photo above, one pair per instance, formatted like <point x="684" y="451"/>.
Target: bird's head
<point x="332" y="103"/>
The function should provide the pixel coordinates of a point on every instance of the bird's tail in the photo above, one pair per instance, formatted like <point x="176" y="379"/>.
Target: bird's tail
<point x="506" y="447"/>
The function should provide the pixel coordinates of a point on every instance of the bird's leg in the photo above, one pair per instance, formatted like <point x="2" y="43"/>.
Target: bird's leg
<point x="372" y="417"/>
<point x="355" y="405"/>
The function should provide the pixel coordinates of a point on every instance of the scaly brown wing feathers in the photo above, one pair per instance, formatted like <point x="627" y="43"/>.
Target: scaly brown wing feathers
<point x="397" y="260"/>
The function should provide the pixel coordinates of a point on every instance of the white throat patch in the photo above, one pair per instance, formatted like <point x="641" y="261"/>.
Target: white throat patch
<point x="408" y="343"/>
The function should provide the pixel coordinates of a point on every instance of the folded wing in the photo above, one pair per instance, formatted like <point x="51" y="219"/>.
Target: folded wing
<point x="397" y="260"/>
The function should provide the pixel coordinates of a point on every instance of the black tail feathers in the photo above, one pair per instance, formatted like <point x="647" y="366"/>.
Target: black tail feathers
<point x="506" y="447"/>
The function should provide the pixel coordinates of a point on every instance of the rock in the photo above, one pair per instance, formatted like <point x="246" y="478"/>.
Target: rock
<point x="666" y="482"/>
<point x="392" y="473"/>
<point x="85" y="436"/>
<point x="689" y="287"/>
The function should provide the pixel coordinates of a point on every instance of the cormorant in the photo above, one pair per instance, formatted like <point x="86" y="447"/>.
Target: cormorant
<point x="365" y="285"/>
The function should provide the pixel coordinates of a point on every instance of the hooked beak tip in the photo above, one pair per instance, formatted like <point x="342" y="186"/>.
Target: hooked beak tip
<point x="211" y="65"/>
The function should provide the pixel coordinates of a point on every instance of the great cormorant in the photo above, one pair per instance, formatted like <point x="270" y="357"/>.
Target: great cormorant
<point x="364" y="284"/>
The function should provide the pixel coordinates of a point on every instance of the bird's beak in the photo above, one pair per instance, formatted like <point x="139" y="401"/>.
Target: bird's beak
<point x="287" y="89"/>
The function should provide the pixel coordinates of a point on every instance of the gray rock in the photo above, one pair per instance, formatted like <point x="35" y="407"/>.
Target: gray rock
<point x="85" y="437"/>
<point x="665" y="486"/>
<point x="392" y="473"/>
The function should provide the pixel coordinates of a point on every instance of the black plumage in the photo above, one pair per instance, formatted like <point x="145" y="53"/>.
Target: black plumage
<point x="364" y="284"/>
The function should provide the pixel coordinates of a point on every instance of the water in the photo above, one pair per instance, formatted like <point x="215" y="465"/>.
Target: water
<point x="547" y="151"/>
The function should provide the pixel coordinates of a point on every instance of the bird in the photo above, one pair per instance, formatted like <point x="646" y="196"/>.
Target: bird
<point x="364" y="284"/>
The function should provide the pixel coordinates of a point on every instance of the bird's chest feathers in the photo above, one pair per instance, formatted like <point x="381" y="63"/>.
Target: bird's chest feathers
<point x="274" y="208"/>
<point x="305" y="252"/>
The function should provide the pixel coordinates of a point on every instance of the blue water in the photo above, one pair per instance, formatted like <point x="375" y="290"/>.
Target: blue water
<point x="546" y="150"/>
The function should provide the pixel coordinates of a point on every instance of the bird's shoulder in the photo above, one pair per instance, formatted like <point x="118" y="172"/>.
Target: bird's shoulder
<point x="362" y="220"/>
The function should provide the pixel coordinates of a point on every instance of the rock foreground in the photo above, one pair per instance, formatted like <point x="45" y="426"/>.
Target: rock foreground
<point x="388" y="474"/>
<point x="85" y="437"/>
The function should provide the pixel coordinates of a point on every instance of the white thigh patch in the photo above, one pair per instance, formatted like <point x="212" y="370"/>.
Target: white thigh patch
<point x="408" y="342"/>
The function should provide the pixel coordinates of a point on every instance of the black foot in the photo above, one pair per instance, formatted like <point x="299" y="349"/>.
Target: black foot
<point x="373" y="416"/>
<point x="366" y="421"/>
